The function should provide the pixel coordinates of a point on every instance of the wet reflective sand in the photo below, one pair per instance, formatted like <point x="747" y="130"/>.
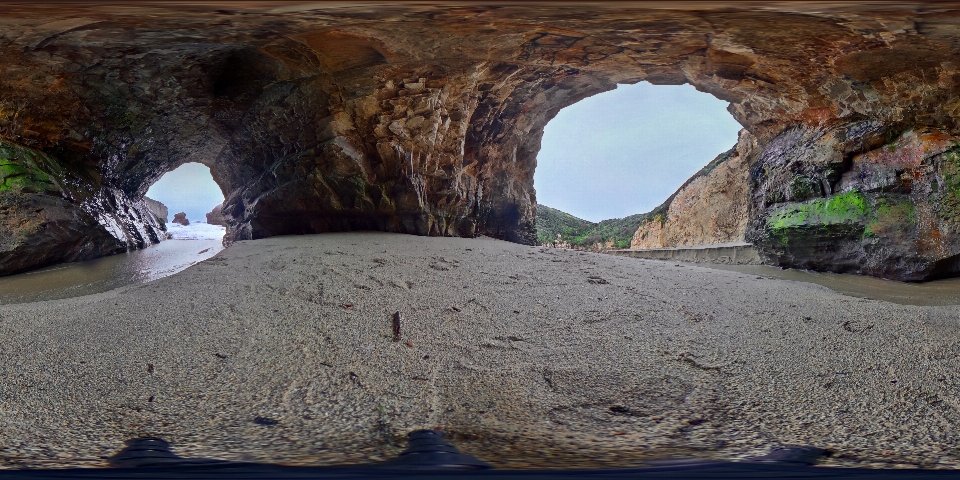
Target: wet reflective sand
<point x="104" y="274"/>
<point x="940" y="292"/>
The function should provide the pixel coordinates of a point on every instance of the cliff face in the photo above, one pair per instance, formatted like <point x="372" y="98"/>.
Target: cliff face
<point x="427" y="119"/>
<point x="158" y="209"/>
<point x="712" y="207"/>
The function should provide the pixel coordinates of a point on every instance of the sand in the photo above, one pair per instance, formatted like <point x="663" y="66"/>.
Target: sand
<point x="281" y="350"/>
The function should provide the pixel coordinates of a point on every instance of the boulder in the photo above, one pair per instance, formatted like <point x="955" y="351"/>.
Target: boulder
<point x="215" y="217"/>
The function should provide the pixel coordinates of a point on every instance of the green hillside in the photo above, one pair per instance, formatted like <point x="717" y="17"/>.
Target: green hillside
<point x="551" y="222"/>
<point x="580" y="233"/>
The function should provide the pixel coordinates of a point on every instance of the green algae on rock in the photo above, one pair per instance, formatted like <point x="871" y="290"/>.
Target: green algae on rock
<point x="23" y="170"/>
<point x="843" y="208"/>
<point x="50" y="214"/>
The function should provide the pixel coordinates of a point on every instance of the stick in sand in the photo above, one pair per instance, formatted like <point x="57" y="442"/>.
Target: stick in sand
<point x="396" y="327"/>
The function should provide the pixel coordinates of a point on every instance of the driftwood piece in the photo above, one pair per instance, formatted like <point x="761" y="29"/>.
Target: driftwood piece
<point x="396" y="326"/>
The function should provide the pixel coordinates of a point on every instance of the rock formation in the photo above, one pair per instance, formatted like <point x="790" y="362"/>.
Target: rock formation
<point x="181" y="218"/>
<point x="48" y="214"/>
<point x="711" y="207"/>
<point x="215" y="217"/>
<point x="427" y="119"/>
<point x="158" y="209"/>
<point x="891" y="211"/>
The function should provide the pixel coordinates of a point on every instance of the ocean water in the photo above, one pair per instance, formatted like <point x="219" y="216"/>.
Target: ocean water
<point x="191" y="244"/>
<point x="196" y="231"/>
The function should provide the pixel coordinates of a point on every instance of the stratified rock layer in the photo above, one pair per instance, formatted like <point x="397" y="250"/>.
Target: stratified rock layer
<point x="427" y="119"/>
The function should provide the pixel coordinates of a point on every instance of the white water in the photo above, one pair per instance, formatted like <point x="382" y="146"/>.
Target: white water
<point x="196" y="231"/>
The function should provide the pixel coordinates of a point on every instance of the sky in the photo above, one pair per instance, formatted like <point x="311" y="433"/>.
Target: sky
<point x="625" y="151"/>
<point x="189" y="189"/>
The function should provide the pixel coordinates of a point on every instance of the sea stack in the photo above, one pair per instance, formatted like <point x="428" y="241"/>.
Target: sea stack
<point x="215" y="217"/>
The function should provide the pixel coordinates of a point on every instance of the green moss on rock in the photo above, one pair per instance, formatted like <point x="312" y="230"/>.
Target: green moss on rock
<point x="842" y="216"/>
<point x="844" y="208"/>
<point x="21" y="170"/>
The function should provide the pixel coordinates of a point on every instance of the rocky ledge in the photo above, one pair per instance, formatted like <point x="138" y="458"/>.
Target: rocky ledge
<point x="427" y="119"/>
<point x="50" y="214"/>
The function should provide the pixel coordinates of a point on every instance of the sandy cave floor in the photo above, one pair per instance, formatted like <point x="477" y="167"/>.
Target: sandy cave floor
<point x="525" y="356"/>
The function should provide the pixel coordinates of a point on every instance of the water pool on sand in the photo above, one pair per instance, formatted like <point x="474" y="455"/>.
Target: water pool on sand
<point x="75" y="279"/>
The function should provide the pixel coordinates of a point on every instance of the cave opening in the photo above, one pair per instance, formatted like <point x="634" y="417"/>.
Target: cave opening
<point x="193" y="200"/>
<point x="189" y="189"/>
<point x="611" y="159"/>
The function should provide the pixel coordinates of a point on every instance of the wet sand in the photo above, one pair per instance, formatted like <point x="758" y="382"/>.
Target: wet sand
<point x="527" y="357"/>
<point x="75" y="279"/>
<point x="939" y="292"/>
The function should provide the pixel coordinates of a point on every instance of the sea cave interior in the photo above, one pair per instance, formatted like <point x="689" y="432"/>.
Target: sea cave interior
<point x="659" y="238"/>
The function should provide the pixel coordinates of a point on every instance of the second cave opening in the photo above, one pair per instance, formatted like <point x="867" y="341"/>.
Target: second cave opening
<point x="609" y="158"/>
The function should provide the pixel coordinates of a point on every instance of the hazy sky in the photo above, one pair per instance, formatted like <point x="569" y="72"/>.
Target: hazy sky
<point x="625" y="151"/>
<point x="189" y="189"/>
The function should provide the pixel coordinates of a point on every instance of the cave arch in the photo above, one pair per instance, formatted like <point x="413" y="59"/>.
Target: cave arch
<point x="189" y="188"/>
<point x="625" y="151"/>
<point x="429" y="120"/>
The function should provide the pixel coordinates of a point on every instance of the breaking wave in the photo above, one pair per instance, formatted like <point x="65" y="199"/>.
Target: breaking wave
<point x="196" y="231"/>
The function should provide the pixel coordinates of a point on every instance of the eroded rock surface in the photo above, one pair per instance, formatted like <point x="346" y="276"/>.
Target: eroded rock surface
<point x="48" y="214"/>
<point x="427" y="119"/>
<point x="215" y="217"/>
<point x="891" y="211"/>
<point x="181" y="218"/>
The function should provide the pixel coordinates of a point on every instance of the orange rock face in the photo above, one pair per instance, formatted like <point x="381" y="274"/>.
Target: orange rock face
<point x="710" y="208"/>
<point x="427" y="119"/>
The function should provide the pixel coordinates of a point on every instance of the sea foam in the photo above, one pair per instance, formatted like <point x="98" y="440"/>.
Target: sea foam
<point x="196" y="231"/>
